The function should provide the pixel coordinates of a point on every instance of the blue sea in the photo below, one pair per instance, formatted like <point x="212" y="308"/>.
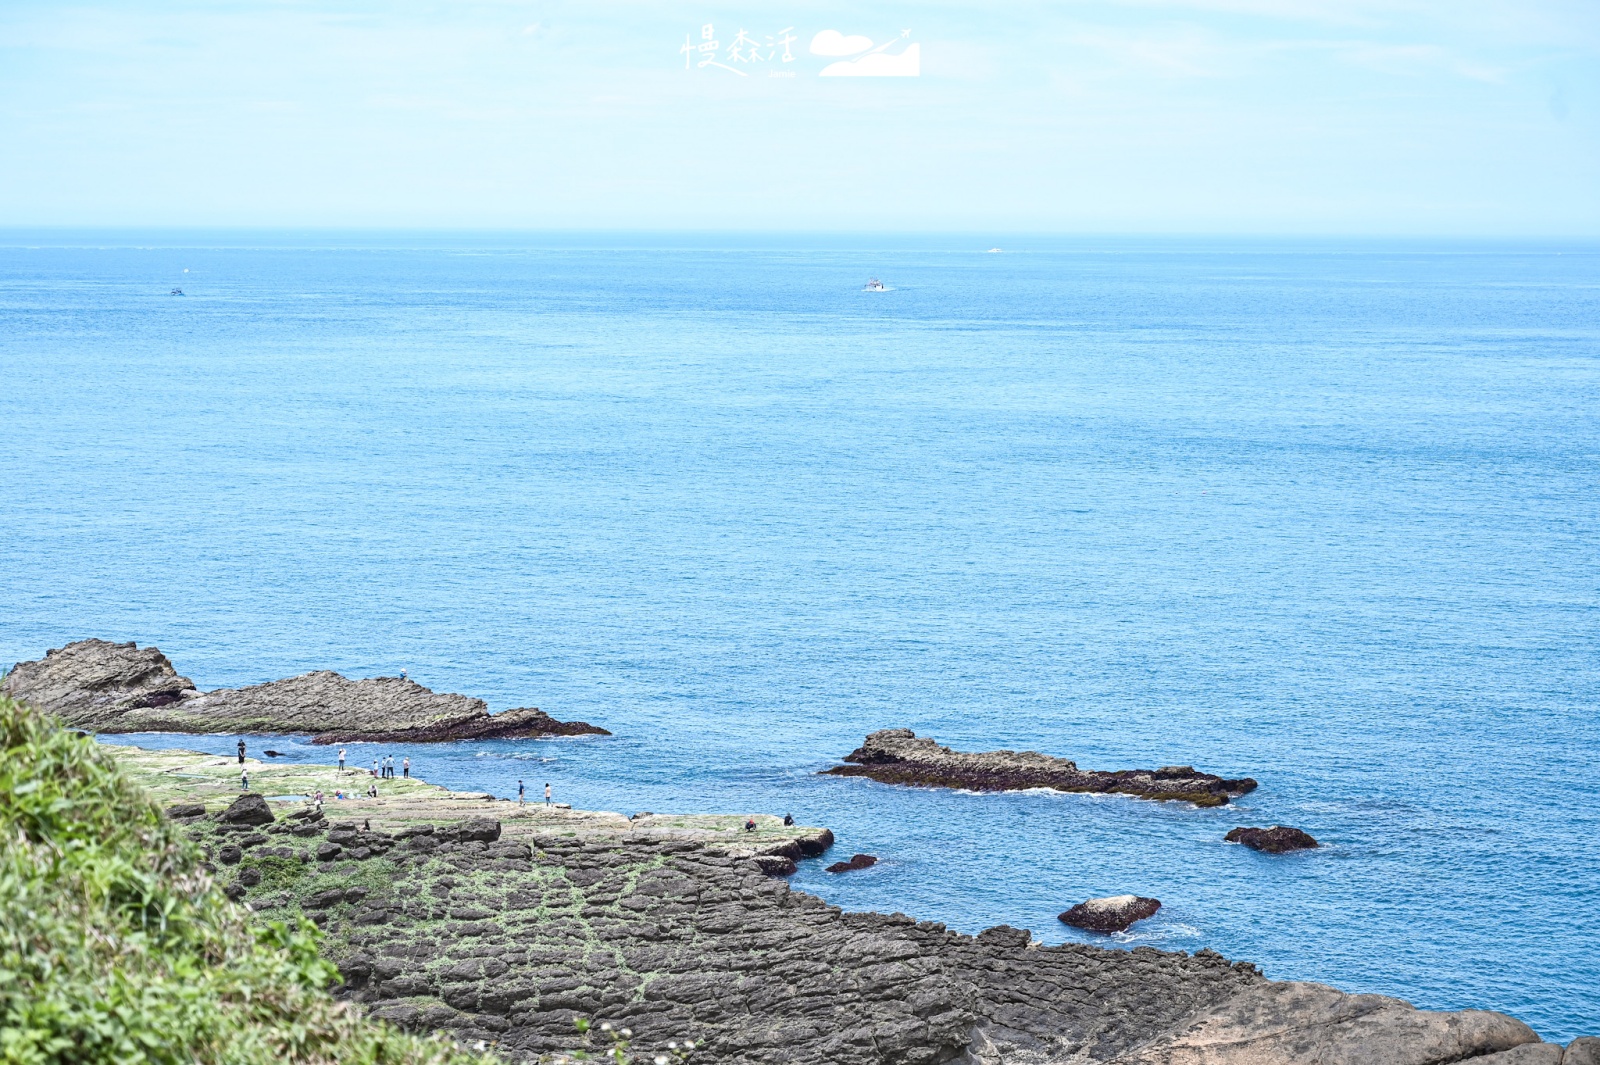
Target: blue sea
<point x="1325" y="514"/>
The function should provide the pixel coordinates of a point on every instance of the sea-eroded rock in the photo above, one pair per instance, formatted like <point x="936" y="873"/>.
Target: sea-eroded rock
<point x="1278" y="839"/>
<point x="900" y="756"/>
<point x="120" y="687"/>
<point x="858" y="861"/>
<point x="1113" y="914"/>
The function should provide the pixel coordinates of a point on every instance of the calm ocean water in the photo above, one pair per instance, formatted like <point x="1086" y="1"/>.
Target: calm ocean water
<point x="1325" y="515"/>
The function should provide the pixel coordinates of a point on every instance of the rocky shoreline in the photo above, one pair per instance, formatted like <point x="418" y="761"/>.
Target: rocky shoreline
<point x="119" y="687"/>
<point x="899" y="756"/>
<point x="496" y="921"/>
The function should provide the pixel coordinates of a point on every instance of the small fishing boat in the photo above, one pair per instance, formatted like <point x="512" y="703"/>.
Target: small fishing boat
<point x="177" y="292"/>
<point x="874" y="285"/>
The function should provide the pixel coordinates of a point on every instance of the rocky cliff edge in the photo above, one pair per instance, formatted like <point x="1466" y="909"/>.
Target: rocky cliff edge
<point x="120" y="687"/>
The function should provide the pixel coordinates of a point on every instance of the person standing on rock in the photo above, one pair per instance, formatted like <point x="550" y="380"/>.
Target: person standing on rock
<point x="244" y="780"/>
<point x="241" y="752"/>
<point x="341" y="759"/>
<point x="388" y="766"/>
<point x="374" y="767"/>
<point x="406" y="769"/>
<point x="521" y="792"/>
<point x="402" y="672"/>
<point x="547" y="794"/>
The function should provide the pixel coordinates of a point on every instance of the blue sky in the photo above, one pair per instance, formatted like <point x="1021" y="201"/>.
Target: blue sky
<point x="1468" y="117"/>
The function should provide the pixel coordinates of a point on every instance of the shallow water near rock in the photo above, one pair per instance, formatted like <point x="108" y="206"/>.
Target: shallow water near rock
<point x="1319" y="515"/>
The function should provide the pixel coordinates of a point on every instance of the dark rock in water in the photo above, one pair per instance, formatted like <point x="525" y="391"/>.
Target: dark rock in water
<point x="117" y="687"/>
<point x="898" y="756"/>
<point x="273" y="754"/>
<point x="1274" y="840"/>
<point x="1112" y="914"/>
<point x="249" y="877"/>
<point x="249" y="809"/>
<point x="859" y="861"/>
<point x="186" y="810"/>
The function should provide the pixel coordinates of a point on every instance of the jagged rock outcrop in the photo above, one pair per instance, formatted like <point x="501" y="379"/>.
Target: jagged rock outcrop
<point x="899" y="756"/>
<point x="249" y="809"/>
<point x="1114" y="914"/>
<point x="119" y="687"/>
<point x="1278" y="839"/>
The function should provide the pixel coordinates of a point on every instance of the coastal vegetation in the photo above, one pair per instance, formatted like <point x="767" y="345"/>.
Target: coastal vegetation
<point x="118" y="946"/>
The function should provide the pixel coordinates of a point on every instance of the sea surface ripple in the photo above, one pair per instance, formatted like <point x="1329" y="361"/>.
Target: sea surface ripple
<point x="1321" y="514"/>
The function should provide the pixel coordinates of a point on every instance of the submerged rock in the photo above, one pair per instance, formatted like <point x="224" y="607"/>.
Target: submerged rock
<point x="1274" y="840"/>
<point x="1112" y="914"/>
<point x="859" y="861"/>
<point x="119" y="687"/>
<point x="899" y="756"/>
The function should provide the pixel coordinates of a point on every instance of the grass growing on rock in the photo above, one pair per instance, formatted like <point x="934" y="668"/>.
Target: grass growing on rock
<point x="117" y="947"/>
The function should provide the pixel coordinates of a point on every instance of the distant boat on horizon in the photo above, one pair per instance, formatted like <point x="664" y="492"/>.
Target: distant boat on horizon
<point x="874" y="285"/>
<point x="177" y="292"/>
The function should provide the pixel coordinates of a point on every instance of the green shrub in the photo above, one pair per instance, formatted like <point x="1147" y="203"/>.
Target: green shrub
<point x="115" y="946"/>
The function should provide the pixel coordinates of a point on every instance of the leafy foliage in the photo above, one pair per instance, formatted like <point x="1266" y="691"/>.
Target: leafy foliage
<point x="116" y="945"/>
